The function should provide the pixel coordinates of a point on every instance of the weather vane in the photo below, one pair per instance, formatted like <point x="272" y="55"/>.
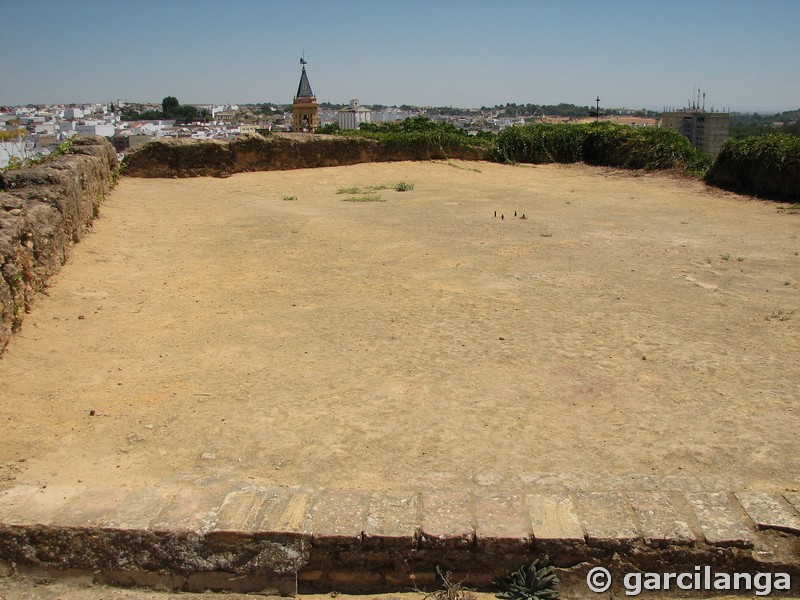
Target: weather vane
<point x="303" y="58"/>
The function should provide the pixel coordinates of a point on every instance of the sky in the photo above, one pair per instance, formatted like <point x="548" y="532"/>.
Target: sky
<point x="744" y="54"/>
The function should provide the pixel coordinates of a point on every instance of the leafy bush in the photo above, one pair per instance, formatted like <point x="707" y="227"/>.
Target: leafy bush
<point x="422" y="137"/>
<point x="329" y="128"/>
<point x="541" y="143"/>
<point x="601" y="144"/>
<point x="767" y="166"/>
<point x="650" y="148"/>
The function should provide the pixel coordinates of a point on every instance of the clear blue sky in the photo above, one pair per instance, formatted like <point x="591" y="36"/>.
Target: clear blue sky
<point x="744" y="53"/>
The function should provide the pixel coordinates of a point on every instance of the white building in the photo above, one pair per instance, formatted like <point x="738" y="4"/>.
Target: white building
<point x="72" y="114"/>
<point x="96" y="128"/>
<point x="20" y="149"/>
<point x="352" y="116"/>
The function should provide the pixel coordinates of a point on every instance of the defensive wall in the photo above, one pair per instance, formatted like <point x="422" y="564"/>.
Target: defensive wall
<point x="277" y="152"/>
<point x="44" y="210"/>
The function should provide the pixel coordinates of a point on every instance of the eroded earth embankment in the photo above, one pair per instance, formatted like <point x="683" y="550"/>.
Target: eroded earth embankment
<point x="276" y="152"/>
<point x="44" y="209"/>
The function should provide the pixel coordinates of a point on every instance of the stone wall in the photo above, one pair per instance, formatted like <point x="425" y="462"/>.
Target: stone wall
<point x="276" y="152"/>
<point x="45" y="209"/>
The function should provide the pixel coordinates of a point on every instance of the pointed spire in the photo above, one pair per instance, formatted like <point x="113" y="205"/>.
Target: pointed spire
<point x="304" y="89"/>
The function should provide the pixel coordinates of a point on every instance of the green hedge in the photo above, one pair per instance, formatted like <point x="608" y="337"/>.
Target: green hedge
<point x="766" y="166"/>
<point x="601" y="144"/>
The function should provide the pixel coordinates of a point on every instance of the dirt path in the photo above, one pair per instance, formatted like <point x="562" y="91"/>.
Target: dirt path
<point x="630" y="331"/>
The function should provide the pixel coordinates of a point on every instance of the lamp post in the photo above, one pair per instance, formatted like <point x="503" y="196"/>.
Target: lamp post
<point x="597" y="112"/>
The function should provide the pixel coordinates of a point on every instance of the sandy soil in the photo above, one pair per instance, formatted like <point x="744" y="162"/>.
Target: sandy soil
<point x="631" y="331"/>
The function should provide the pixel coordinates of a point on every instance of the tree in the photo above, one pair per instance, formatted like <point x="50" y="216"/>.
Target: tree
<point x="169" y="106"/>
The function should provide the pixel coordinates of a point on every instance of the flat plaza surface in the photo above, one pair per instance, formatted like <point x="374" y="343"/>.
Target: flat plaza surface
<point x="632" y="332"/>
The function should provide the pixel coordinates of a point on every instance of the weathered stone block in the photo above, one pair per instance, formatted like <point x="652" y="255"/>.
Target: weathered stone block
<point x="720" y="519"/>
<point x="660" y="521"/>
<point x="553" y="517"/>
<point x="770" y="511"/>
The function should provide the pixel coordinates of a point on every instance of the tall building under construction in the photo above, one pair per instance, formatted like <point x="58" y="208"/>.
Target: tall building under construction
<point x="707" y="131"/>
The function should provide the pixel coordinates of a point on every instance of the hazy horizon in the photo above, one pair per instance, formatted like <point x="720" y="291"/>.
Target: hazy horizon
<point x="466" y="54"/>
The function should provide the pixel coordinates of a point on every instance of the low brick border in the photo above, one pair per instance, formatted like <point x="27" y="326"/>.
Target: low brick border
<point x="290" y="540"/>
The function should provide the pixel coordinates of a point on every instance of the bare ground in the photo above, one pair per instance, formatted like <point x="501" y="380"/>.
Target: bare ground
<point x="631" y="332"/>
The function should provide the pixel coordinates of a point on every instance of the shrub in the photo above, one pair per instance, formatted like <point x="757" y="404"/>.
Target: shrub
<point x="650" y="148"/>
<point x="541" y="143"/>
<point x="601" y="144"/>
<point x="766" y="166"/>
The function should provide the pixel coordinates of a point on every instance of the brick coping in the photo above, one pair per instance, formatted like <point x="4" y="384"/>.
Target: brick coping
<point x="255" y="538"/>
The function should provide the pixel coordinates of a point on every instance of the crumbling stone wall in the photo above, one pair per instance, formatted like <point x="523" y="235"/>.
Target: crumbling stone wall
<point x="276" y="152"/>
<point x="45" y="209"/>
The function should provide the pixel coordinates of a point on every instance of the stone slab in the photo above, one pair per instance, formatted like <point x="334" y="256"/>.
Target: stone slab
<point x="393" y="516"/>
<point x="448" y="518"/>
<point x="660" y="521"/>
<point x="607" y="517"/>
<point x="770" y="511"/>
<point x="339" y="516"/>
<point x="36" y="505"/>
<point x="720" y="520"/>
<point x="554" y="517"/>
<point x="240" y="511"/>
<point x="190" y="510"/>
<point x="502" y="517"/>
<point x="93" y="507"/>
<point x="794" y="499"/>
<point x="139" y="509"/>
<point x="288" y="513"/>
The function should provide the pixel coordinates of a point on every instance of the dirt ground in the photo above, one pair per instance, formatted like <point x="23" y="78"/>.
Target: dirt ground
<point x="631" y="331"/>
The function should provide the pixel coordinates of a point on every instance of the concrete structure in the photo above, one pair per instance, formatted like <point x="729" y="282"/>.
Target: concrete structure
<point x="707" y="131"/>
<point x="72" y="114"/>
<point x="96" y="128"/>
<point x="352" y="116"/>
<point x="304" y="107"/>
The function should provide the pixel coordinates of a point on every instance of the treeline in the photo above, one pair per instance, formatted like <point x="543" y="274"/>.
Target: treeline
<point x="419" y="134"/>
<point x="171" y="110"/>
<point x="746" y="125"/>
<point x="511" y="109"/>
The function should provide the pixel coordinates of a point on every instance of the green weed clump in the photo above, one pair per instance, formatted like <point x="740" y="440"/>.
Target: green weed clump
<point x="767" y="166"/>
<point x="365" y="198"/>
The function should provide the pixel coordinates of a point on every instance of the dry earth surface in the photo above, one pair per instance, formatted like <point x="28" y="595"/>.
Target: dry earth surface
<point x="631" y="332"/>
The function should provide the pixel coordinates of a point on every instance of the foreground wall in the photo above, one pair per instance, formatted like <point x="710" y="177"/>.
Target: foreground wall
<point x="276" y="152"/>
<point x="45" y="209"/>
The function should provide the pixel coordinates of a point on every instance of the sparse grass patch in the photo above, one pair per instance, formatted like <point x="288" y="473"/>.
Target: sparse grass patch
<point x="779" y="314"/>
<point x="367" y="193"/>
<point x="365" y="198"/>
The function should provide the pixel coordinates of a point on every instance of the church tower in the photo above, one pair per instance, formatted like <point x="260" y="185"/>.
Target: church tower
<point x="304" y="107"/>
